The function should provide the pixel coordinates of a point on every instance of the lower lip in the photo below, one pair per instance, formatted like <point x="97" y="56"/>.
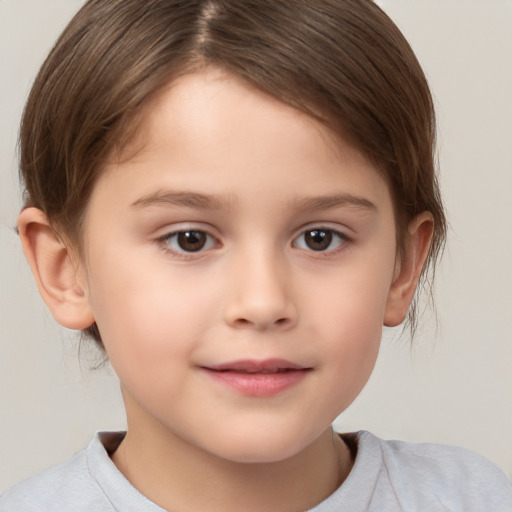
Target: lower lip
<point x="258" y="384"/>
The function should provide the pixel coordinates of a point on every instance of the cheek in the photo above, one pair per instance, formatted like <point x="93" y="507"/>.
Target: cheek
<point x="348" y="316"/>
<point x="353" y="332"/>
<point x="145" y="314"/>
<point x="351" y="354"/>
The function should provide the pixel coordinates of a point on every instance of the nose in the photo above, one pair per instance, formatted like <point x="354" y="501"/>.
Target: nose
<point x="260" y="294"/>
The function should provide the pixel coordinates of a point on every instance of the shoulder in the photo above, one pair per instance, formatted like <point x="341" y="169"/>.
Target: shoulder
<point x="89" y="482"/>
<point x="82" y="483"/>
<point x="454" y="478"/>
<point x="59" y="488"/>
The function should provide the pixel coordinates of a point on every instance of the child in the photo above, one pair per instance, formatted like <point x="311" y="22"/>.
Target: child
<point x="232" y="198"/>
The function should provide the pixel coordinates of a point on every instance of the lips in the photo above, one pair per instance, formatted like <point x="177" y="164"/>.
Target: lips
<point x="258" y="378"/>
<point x="253" y="366"/>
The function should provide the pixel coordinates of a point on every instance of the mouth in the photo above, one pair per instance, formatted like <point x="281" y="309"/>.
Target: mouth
<point x="258" y="378"/>
<point x="254" y="366"/>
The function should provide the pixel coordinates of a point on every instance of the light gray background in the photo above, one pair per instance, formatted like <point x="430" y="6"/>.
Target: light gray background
<point x="454" y="386"/>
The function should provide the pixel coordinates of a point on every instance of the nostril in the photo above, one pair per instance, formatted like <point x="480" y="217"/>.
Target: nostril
<point x="242" y="322"/>
<point x="260" y="314"/>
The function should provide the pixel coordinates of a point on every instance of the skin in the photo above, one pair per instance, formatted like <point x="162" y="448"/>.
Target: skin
<point x="254" y="176"/>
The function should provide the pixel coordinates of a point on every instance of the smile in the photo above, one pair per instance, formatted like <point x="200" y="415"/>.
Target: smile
<point x="257" y="378"/>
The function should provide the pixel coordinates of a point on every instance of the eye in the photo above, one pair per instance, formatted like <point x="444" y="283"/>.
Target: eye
<point x="319" y="239"/>
<point x="187" y="241"/>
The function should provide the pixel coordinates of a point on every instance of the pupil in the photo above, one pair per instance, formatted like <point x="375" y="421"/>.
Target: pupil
<point x="191" y="241"/>
<point x="318" y="239"/>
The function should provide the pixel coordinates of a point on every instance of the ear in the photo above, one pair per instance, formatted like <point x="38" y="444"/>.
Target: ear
<point x="408" y="269"/>
<point x="59" y="279"/>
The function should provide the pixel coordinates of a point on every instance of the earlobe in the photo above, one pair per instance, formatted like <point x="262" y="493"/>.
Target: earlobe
<point x="57" y="277"/>
<point x="408" y="269"/>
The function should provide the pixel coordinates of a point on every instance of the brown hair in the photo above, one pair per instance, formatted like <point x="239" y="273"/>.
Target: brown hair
<point x="342" y="61"/>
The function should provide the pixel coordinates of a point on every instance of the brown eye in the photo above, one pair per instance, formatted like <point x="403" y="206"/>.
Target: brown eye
<point x="319" y="239"/>
<point x="191" y="241"/>
<point x="188" y="241"/>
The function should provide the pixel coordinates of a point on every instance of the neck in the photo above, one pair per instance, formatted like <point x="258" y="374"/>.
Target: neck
<point x="178" y="476"/>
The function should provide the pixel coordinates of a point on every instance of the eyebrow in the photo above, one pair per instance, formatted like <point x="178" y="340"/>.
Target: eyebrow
<point x="187" y="199"/>
<point x="211" y="202"/>
<point x="335" y="201"/>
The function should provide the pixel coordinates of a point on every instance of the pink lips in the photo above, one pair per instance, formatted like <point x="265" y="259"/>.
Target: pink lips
<point x="258" y="378"/>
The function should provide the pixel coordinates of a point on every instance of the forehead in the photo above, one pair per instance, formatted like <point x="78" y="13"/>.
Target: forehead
<point x="200" y="102"/>
<point x="212" y="129"/>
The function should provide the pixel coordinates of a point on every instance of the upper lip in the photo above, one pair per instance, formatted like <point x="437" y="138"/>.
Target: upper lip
<point x="257" y="366"/>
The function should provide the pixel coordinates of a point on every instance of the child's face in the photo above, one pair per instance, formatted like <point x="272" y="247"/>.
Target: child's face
<point x="284" y="259"/>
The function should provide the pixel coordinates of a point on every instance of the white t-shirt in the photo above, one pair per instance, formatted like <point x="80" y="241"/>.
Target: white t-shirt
<point x="388" y="476"/>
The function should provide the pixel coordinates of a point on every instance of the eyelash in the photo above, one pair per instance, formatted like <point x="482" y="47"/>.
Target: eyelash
<point x="171" y="241"/>
<point x="167" y="242"/>
<point x="333" y="236"/>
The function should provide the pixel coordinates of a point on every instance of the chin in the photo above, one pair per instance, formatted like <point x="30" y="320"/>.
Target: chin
<point x="261" y="447"/>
